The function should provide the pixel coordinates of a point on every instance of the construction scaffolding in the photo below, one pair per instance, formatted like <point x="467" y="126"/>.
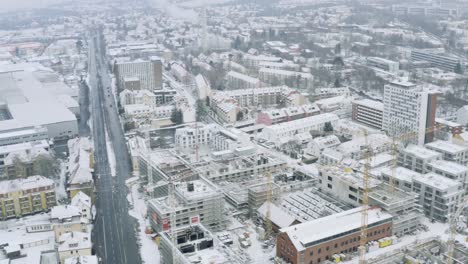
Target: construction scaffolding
<point x="403" y="206"/>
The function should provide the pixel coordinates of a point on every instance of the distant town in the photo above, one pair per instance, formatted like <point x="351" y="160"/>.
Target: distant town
<point x="234" y="132"/>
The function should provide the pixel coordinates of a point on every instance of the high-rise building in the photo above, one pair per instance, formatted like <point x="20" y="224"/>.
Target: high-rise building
<point x="146" y="75"/>
<point x="409" y="108"/>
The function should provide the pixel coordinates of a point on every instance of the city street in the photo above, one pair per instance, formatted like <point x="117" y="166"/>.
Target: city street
<point x="114" y="230"/>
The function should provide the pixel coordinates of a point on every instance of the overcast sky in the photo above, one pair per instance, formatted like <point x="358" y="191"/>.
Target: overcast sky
<point x="8" y="5"/>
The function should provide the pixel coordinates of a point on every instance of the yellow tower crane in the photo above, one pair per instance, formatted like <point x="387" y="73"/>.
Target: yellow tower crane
<point x="453" y="229"/>
<point x="268" y="225"/>
<point x="365" y="201"/>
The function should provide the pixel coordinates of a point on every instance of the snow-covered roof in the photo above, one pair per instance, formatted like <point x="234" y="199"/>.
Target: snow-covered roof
<point x="74" y="241"/>
<point x="64" y="212"/>
<point x="437" y="181"/>
<point x="243" y="77"/>
<point x="446" y="146"/>
<point x="374" y="140"/>
<point x="370" y="104"/>
<point x="82" y="260"/>
<point x="277" y="216"/>
<point x="81" y="198"/>
<point x="421" y="152"/>
<point x="32" y="182"/>
<point x="448" y="166"/>
<point x="305" y="234"/>
<point x="401" y="174"/>
<point x="79" y="161"/>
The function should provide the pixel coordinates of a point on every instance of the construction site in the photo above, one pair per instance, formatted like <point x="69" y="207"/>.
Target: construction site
<point x="200" y="203"/>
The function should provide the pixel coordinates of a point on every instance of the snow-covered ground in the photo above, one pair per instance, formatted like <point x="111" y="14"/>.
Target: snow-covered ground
<point x="435" y="230"/>
<point x="14" y="232"/>
<point x="148" y="248"/>
<point x="110" y="155"/>
<point x="255" y="253"/>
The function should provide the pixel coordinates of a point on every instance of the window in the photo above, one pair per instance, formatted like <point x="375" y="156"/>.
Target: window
<point x="311" y="253"/>
<point x="328" y="248"/>
<point x="318" y="251"/>
<point x="330" y="178"/>
<point x="329" y="186"/>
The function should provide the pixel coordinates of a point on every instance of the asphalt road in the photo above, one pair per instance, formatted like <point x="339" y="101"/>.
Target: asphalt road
<point x="114" y="230"/>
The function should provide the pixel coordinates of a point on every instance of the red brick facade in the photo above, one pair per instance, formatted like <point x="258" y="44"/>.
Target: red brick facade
<point x="320" y="252"/>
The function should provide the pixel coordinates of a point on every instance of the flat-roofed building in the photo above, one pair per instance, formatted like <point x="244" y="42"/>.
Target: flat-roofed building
<point x="439" y="60"/>
<point x="318" y="240"/>
<point x="196" y="200"/>
<point x="147" y="72"/>
<point x="238" y="80"/>
<point x="26" y="196"/>
<point x="274" y="133"/>
<point x="450" y="151"/>
<point x="301" y="80"/>
<point x="368" y="112"/>
<point x="451" y="170"/>
<point x="383" y="64"/>
<point x="345" y="185"/>
<point x="439" y="196"/>
<point x="409" y="108"/>
<point x="416" y="157"/>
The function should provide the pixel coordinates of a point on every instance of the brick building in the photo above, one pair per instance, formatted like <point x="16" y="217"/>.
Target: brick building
<point x="318" y="240"/>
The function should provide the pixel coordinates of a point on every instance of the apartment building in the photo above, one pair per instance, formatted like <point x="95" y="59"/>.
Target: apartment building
<point x="358" y="147"/>
<point x="425" y="10"/>
<point x="276" y="116"/>
<point x="416" y="158"/>
<point x="324" y="93"/>
<point x="148" y="73"/>
<point x="301" y="80"/>
<point x="236" y="80"/>
<point x="26" y="196"/>
<point x="383" y="64"/>
<point x="451" y="170"/>
<point x="25" y="152"/>
<point x="144" y="97"/>
<point x="74" y="244"/>
<point x="402" y="205"/>
<point x="194" y="135"/>
<point x="80" y="167"/>
<point x="319" y="240"/>
<point x="439" y="60"/>
<point x="409" y="108"/>
<point x="242" y="167"/>
<point x="66" y="219"/>
<point x="368" y="112"/>
<point x="344" y="184"/>
<point x="450" y="151"/>
<point x="197" y="201"/>
<point x="276" y="132"/>
<point x="438" y="195"/>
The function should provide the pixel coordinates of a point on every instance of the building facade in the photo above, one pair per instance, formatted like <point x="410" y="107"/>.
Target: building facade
<point x="149" y="73"/>
<point x="319" y="240"/>
<point x="409" y="108"/>
<point x="368" y="112"/>
<point x="26" y="196"/>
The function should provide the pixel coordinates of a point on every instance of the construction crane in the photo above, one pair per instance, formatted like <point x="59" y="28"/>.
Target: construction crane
<point x="365" y="201"/>
<point x="453" y="229"/>
<point x="268" y="225"/>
